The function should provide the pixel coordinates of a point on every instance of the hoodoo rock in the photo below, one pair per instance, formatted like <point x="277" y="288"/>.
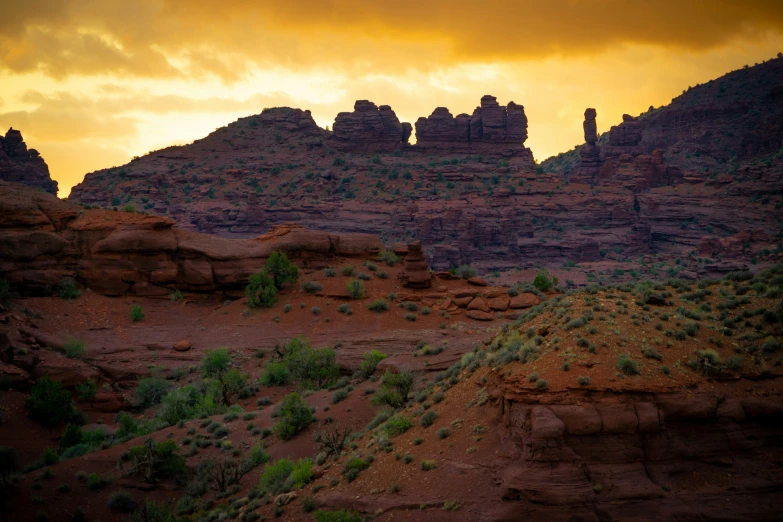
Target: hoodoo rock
<point x="370" y="128"/>
<point x="591" y="129"/>
<point x="492" y="129"/>
<point x="415" y="271"/>
<point x="23" y="165"/>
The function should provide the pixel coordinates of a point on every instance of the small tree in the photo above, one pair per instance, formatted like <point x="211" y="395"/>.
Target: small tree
<point x="216" y="365"/>
<point x="48" y="402"/>
<point x="370" y="363"/>
<point x="394" y="389"/>
<point x="261" y="290"/>
<point x="294" y="416"/>
<point x="542" y="281"/>
<point x="281" y="270"/>
<point x="153" y="459"/>
<point x="332" y="442"/>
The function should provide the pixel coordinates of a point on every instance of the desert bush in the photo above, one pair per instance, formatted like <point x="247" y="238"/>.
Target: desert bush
<point x="332" y="442"/>
<point x="337" y="516"/>
<point x="627" y="365"/>
<point x="427" y="465"/>
<point x="427" y="419"/>
<point x="312" y="287"/>
<point x="95" y="481"/>
<point x="397" y="425"/>
<point x="370" y="363"/>
<point x="345" y="309"/>
<point x="542" y="384"/>
<point x="465" y="271"/>
<point x="86" y="390"/>
<point x="542" y="281"/>
<point x="364" y="277"/>
<point x="150" y="391"/>
<point x="347" y="271"/>
<point x="48" y="402"/>
<point x="329" y="272"/>
<point x="583" y="380"/>
<point x="353" y="467"/>
<point x="136" y="313"/>
<point x="273" y="478"/>
<point x="275" y="374"/>
<point x="67" y="289"/>
<point x="443" y="433"/>
<point x="293" y="416"/>
<point x="389" y="257"/>
<point x="355" y="289"/>
<point x="339" y="396"/>
<point x="394" y="389"/>
<point x="74" y="348"/>
<point x="281" y="270"/>
<point x="122" y="502"/>
<point x="261" y="291"/>
<point x="409" y="317"/>
<point x="378" y="305"/>
<point x="153" y="459"/>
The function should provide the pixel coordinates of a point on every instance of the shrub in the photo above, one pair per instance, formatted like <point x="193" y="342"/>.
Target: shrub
<point x="67" y="289"/>
<point x="315" y="367"/>
<point x="275" y="475"/>
<point x="50" y="457"/>
<point x="74" y="348"/>
<point x="389" y="257"/>
<point x="465" y="271"/>
<point x="692" y="329"/>
<point x="344" y="309"/>
<point x="409" y="317"/>
<point x="176" y="296"/>
<point x="312" y="287"/>
<point x="5" y="293"/>
<point x="302" y="474"/>
<point x="378" y="305"/>
<point x="427" y="465"/>
<point x="347" y="271"/>
<point x="122" y="502"/>
<point x="153" y="459"/>
<point x="150" y="391"/>
<point x="397" y="425"/>
<point x="394" y="389"/>
<point x="651" y="353"/>
<point x="315" y="310"/>
<point x="339" y="396"/>
<point x="427" y="419"/>
<point x="355" y="289"/>
<point x="86" y="390"/>
<point x="443" y="433"/>
<point x="294" y="416"/>
<point x="370" y="363"/>
<point x="364" y="277"/>
<point x="261" y="290"/>
<point x="627" y="365"/>
<point x="281" y="270"/>
<point x="136" y="313"/>
<point x="48" y="402"/>
<point x="382" y="275"/>
<point x="542" y="384"/>
<point x="337" y="516"/>
<point x="583" y="380"/>
<point x="542" y="281"/>
<point x="95" y="481"/>
<point x="353" y="467"/>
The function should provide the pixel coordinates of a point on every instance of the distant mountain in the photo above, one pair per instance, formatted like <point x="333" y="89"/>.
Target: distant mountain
<point x="23" y="165"/>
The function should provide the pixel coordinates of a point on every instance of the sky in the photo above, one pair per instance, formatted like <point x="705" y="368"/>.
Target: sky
<point x="92" y="83"/>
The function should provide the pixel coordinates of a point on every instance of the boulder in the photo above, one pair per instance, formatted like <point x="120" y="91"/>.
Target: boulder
<point x="545" y="424"/>
<point x="182" y="346"/>
<point x="477" y="281"/>
<point x="525" y="300"/>
<point x="500" y="303"/>
<point x="478" y="303"/>
<point x="480" y="316"/>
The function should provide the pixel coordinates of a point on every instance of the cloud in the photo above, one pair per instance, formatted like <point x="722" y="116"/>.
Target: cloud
<point x="193" y="38"/>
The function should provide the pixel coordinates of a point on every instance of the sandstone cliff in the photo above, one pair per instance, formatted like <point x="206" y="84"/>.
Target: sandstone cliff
<point x="23" y="165"/>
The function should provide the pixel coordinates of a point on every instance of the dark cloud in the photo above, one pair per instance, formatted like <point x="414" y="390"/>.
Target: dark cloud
<point x="167" y="38"/>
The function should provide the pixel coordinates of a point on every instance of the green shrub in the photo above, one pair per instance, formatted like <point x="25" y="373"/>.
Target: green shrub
<point x="281" y="270"/>
<point x="583" y="380"/>
<point x="465" y="271"/>
<point x="409" y="317"/>
<point x="302" y="474"/>
<point x="355" y="289"/>
<point x="542" y="384"/>
<point x="294" y="416"/>
<point x="329" y="272"/>
<point x="315" y="310"/>
<point x="443" y="433"/>
<point x="122" y="502"/>
<point x="337" y="516"/>
<point x="692" y="329"/>
<point x="275" y="374"/>
<point x="397" y="425"/>
<point x="378" y="305"/>
<point x="427" y="465"/>
<point x="70" y="437"/>
<point x="389" y="257"/>
<point x="312" y="287"/>
<point x="347" y="271"/>
<point x="370" y="363"/>
<point x="48" y="402"/>
<point x="86" y="390"/>
<point x="382" y="275"/>
<point x="394" y="389"/>
<point x="50" y="457"/>
<point x="274" y="476"/>
<point x="353" y="467"/>
<point x="315" y="368"/>
<point x="542" y="281"/>
<point x="74" y="348"/>
<point x="95" y="481"/>
<point x="150" y="392"/>
<point x="136" y="313"/>
<point x="427" y="419"/>
<point x="345" y="309"/>
<point x="627" y="365"/>
<point x="339" y="396"/>
<point x="261" y="291"/>
<point x="153" y="459"/>
<point x="67" y="289"/>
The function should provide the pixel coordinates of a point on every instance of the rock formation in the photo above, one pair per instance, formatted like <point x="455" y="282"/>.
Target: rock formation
<point x="44" y="240"/>
<point x="370" y="128"/>
<point x="415" y="272"/>
<point x="590" y="153"/>
<point x="492" y="128"/>
<point x="23" y="165"/>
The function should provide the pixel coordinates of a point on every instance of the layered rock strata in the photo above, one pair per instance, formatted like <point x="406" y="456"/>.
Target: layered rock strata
<point x="370" y="128"/>
<point x="415" y="271"/>
<point x="23" y="165"/>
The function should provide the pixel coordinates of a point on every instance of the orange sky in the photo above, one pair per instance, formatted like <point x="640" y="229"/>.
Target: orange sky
<point x="92" y="83"/>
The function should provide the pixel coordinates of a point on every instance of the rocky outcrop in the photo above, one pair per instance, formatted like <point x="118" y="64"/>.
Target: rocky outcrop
<point x="23" y="165"/>
<point x="492" y="129"/>
<point x="370" y="128"/>
<point x="415" y="271"/>
<point x="577" y="453"/>
<point x="44" y="240"/>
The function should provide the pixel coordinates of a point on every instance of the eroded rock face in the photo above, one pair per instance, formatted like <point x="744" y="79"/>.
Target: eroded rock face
<point x="23" y="165"/>
<point x="43" y="240"/>
<point x="370" y="128"/>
